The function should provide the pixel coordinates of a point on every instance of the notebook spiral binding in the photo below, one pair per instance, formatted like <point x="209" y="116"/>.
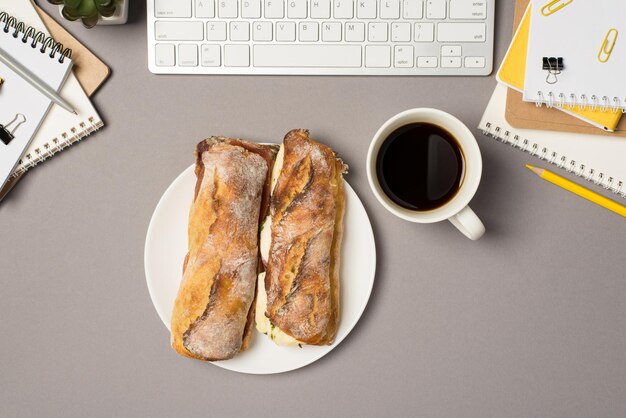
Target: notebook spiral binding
<point x="561" y="161"/>
<point x="66" y="140"/>
<point x="583" y="102"/>
<point x="30" y="34"/>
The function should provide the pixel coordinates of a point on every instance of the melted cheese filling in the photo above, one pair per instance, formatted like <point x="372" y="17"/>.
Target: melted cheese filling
<point x="263" y="324"/>
<point x="265" y="240"/>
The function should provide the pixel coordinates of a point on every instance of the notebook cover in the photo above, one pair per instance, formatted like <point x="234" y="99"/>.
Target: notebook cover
<point x="525" y="115"/>
<point x="512" y="73"/>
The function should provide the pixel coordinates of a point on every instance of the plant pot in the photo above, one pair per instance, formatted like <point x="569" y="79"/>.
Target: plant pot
<point x="119" y="18"/>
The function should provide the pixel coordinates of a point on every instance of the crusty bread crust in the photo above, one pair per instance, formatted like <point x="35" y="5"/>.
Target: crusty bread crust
<point x="212" y="313"/>
<point x="307" y="208"/>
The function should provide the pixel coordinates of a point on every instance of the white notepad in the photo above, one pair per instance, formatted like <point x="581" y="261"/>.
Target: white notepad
<point x="577" y="33"/>
<point x="60" y="129"/>
<point x="600" y="159"/>
<point x="19" y="100"/>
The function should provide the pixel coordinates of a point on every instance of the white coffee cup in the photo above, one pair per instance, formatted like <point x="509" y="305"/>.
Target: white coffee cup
<point x="456" y="210"/>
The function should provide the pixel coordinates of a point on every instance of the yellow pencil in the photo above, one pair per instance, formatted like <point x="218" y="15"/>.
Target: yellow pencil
<point x="579" y="190"/>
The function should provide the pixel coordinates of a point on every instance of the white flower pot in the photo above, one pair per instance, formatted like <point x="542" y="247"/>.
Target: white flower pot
<point x="119" y="18"/>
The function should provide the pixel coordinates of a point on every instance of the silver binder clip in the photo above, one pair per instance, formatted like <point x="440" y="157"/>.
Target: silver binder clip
<point x="553" y="66"/>
<point x="7" y="133"/>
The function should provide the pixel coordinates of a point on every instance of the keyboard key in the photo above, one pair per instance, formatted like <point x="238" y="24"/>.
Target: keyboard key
<point x="323" y="56"/>
<point x="285" y="31"/>
<point x="227" y="8"/>
<point x="172" y="8"/>
<point x="179" y="31"/>
<point x="239" y="31"/>
<point x="262" y="31"/>
<point x="403" y="56"/>
<point x="237" y="55"/>
<point x="343" y="9"/>
<point x="451" y="51"/>
<point x="309" y="32"/>
<point x="424" y="32"/>
<point x="216" y="31"/>
<point x="165" y="55"/>
<point x="435" y="9"/>
<point x="413" y="9"/>
<point x="331" y="32"/>
<point x="296" y="9"/>
<point x="475" y="62"/>
<point x="451" y="62"/>
<point x="366" y="9"/>
<point x="377" y="32"/>
<point x="464" y="9"/>
<point x="320" y="9"/>
<point x="461" y="32"/>
<point x="401" y="32"/>
<point x="211" y="56"/>
<point x="274" y="9"/>
<point x="355" y="32"/>
<point x="378" y="56"/>
<point x="389" y="9"/>
<point x="188" y="55"/>
<point x="251" y="9"/>
<point x="427" y="62"/>
<point x="205" y="8"/>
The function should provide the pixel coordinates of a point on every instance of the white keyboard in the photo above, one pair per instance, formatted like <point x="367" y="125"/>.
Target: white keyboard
<point x="342" y="37"/>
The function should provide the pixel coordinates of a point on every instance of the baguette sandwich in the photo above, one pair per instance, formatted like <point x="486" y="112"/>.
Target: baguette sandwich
<point x="213" y="314"/>
<point x="298" y="294"/>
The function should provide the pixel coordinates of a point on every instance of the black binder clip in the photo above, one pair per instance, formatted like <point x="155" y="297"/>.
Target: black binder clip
<point x="553" y="66"/>
<point x="6" y="135"/>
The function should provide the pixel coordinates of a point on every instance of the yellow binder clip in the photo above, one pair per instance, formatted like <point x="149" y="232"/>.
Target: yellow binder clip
<point x="607" y="45"/>
<point x="554" y="6"/>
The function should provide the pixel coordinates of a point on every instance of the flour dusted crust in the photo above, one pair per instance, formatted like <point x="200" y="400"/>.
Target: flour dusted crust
<point x="213" y="311"/>
<point x="307" y="208"/>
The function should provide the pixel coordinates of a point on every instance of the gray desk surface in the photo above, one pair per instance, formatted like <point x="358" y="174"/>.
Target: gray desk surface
<point x="529" y="321"/>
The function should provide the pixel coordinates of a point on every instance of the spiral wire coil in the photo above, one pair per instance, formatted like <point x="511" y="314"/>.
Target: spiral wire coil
<point x="561" y="161"/>
<point x="582" y="102"/>
<point x="46" y="44"/>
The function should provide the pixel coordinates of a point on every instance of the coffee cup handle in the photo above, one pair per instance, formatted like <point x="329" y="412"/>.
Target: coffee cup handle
<point x="468" y="223"/>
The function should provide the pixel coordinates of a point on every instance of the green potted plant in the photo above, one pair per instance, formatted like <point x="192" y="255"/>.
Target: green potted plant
<point x="94" y="12"/>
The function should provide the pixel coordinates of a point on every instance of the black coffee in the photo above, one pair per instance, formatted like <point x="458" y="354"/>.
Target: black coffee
<point x="420" y="166"/>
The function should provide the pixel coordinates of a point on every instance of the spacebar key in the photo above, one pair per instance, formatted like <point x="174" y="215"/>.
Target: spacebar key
<point x="323" y="56"/>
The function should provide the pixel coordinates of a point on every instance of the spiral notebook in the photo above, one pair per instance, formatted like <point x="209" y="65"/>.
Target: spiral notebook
<point x="590" y="36"/>
<point x="22" y="107"/>
<point x="599" y="159"/>
<point x="513" y="70"/>
<point x="60" y="129"/>
<point x="521" y="114"/>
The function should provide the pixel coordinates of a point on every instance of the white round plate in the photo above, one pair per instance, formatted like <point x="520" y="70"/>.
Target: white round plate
<point x="166" y="247"/>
